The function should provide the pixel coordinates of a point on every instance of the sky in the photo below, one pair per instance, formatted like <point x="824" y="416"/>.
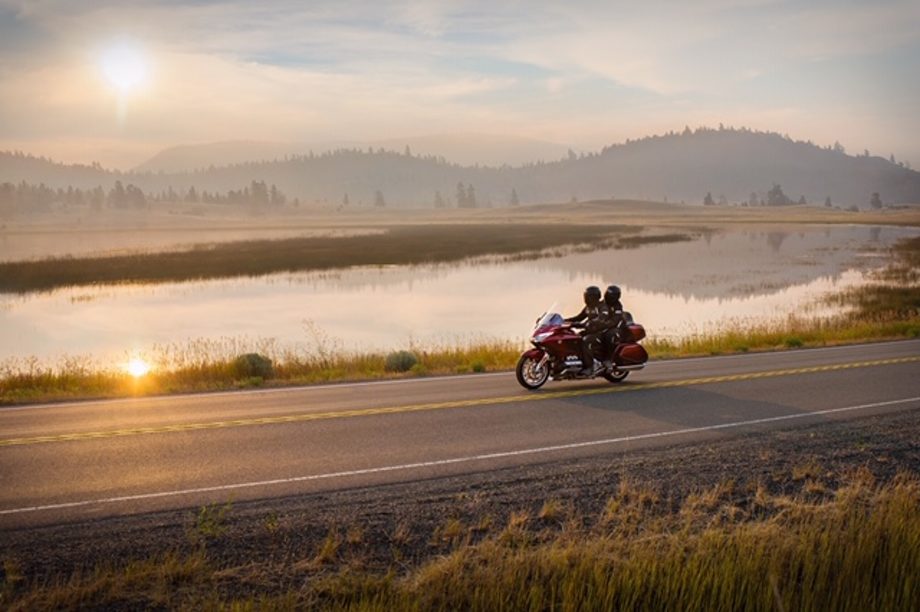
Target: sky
<point x="115" y="82"/>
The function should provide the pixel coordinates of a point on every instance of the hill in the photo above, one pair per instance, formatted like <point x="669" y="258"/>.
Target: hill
<point x="674" y="167"/>
<point x="465" y="149"/>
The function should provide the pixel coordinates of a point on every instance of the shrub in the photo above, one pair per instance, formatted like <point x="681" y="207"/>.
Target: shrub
<point x="253" y="365"/>
<point x="400" y="361"/>
<point x="478" y="367"/>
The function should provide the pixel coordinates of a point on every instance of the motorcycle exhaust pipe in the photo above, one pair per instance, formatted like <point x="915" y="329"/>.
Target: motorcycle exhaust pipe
<point x="630" y="368"/>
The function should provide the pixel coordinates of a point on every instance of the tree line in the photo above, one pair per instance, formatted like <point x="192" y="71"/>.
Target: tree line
<point x="25" y="197"/>
<point x="677" y="166"/>
<point x="777" y="197"/>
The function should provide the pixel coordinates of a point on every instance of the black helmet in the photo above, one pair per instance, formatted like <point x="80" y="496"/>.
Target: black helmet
<point x="612" y="295"/>
<point x="592" y="295"/>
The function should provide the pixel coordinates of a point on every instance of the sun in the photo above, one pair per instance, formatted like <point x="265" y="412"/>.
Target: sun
<point x="137" y="367"/>
<point x="125" y="67"/>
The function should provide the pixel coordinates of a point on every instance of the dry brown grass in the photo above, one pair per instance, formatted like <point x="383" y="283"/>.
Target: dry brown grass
<point x="850" y="545"/>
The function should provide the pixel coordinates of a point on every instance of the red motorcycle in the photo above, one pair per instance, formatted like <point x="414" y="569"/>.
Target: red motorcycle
<point x="557" y="353"/>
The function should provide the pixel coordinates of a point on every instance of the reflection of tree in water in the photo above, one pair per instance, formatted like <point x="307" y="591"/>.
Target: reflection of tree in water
<point x="874" y="233"/>
<point x="775" y="240"/>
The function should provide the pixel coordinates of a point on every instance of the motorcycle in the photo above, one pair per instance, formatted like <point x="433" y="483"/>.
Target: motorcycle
<point x="556" y="354"/>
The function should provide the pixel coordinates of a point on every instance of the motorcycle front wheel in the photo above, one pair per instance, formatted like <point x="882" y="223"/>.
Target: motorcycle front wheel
<point x="530" y="373"/>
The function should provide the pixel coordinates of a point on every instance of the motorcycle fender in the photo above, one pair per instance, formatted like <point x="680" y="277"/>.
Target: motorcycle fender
<point x="534" y="353"/>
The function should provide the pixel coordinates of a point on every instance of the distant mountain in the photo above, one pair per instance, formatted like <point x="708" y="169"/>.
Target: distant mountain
<point x="188" y="158"/>
<point x="464" y="149"/>
<point x="676" y="166"/>
<point x="481" y="149"/>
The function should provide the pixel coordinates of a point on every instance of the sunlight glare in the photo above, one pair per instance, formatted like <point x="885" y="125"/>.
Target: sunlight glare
<point x="125" y="68"/>
<point x="137" y="367"/>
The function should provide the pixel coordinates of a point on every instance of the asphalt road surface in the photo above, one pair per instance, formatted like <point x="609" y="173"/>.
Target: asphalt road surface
<point x="77" y="461"/>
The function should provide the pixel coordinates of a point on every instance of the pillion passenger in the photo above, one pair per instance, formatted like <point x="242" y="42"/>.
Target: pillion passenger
<point x="596" y="318"/>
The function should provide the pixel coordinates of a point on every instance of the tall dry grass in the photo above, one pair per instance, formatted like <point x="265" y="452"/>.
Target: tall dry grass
<point x="210" y="365"/>
<point x="854" y="547"/>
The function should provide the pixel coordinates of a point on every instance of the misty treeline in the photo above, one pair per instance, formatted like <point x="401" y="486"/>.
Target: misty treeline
<point x="24" y="198"/>
<point x="677" y="166"/>
<point x="774" y="197"/>
<point x="777" y="197"/>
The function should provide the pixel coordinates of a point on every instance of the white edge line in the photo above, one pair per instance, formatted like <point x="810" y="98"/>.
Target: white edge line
<point x="396" y="381"/>
<point x="442" y="462"/>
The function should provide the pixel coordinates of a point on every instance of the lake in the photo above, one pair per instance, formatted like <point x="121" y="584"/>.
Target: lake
<point x="723" y="277"/>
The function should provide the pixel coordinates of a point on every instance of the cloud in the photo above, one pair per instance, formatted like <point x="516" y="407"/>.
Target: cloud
<point x="584" y="70"/>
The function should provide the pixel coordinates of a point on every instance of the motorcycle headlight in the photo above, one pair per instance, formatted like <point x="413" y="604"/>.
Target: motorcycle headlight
<point x="541" y="337"/>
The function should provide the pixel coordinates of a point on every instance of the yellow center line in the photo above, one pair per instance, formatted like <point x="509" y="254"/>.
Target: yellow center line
<point x="342" y="414"/>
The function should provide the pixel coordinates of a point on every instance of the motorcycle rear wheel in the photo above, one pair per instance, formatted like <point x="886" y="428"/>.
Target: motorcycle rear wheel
<point x="530" y="374"/>
<point x="616" y="376"/>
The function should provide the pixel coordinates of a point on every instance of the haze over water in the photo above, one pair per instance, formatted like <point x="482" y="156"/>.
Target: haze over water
<point x="677" y="289"/>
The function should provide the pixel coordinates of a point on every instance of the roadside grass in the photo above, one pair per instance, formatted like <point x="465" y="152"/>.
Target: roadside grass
<point x="794" y="333"/>
<point x="888" y="308"/>
<point x="210" y="365"/>
<point x="851" y="544"/>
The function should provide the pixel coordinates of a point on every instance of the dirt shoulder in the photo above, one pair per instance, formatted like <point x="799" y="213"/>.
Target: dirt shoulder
<point x="269" y="545"/>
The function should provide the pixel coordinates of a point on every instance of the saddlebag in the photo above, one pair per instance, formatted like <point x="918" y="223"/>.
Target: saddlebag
<point x="630" y="354"/>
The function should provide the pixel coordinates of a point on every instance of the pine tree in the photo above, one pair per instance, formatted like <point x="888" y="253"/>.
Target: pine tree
<point x="776" y="197"/>
<point x="471" y="197"/>
<point x="461" y="196"/>
<point x="117" y="196"/>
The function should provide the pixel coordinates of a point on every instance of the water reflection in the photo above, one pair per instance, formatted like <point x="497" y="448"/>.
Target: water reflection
<point x="675" y="289"/>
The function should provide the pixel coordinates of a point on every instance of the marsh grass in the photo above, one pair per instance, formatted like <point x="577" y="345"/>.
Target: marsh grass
<point x="398" y="245"/>
<point x="853" y="545"/>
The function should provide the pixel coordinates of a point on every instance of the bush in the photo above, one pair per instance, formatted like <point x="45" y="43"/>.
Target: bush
<point x="400" y="361"/>
<point x="419" y="370"/>
<point x="253" y="365"/>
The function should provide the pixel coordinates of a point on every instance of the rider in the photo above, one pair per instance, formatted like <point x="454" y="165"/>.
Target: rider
<point x="596" y="316"/>
<point x="615" y="321"/>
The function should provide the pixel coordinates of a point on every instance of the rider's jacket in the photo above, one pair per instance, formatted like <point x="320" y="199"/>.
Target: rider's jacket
<point x="616" y="313"/>
<point x="597" y="318"/>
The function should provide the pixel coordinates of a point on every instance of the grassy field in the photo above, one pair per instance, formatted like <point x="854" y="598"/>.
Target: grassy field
<point x="852" y="546"/>
<point x="887" y="309"/>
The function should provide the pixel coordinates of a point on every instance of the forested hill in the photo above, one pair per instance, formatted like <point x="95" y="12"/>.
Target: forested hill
<point x="733" y="165"/>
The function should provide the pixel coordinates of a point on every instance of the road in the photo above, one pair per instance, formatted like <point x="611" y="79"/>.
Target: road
<point x="78" y="461"/>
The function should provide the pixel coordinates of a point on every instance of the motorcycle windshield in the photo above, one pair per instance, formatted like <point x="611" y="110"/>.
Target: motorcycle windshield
<point x="549" y="318"/>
